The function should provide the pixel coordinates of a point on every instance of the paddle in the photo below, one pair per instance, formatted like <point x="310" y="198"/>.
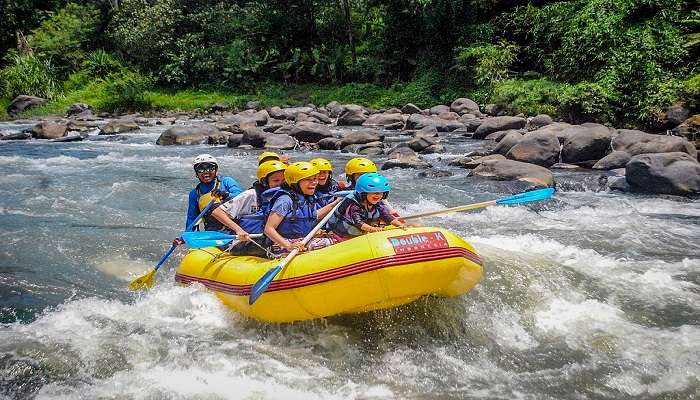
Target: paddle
<point x="261" y="285"/>
<point x="146" y="280"/>
<point x="198" y="240"/>
<point x="526" y="197"/>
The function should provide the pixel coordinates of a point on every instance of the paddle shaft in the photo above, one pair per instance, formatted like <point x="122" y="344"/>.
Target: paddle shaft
<point x="189" y="228"/>
<point x="452" y="210"/>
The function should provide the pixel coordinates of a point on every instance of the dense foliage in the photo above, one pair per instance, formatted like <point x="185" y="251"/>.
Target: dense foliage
<point x="618" y="61"/>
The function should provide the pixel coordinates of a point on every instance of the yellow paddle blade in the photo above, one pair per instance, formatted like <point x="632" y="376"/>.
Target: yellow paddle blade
<point x="143" y="281"/>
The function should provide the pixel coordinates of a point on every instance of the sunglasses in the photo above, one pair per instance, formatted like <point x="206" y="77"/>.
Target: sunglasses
<point x="202" y="168"/>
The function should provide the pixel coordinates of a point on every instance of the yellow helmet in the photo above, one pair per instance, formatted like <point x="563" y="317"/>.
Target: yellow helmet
<point x="322" y="164"/>
<point x="298" y="171"/>
<point x="266" y="154"/>
<point x="359" y="165"/>
<point x="269" y="167"/>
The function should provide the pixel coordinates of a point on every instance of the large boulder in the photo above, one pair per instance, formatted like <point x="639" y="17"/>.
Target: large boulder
<point x="280" y="142"/>
<point x="310" y="132"/>
<point x="510" y="170"/>
<point x="427" y="131"/>
<point x="72" y="138"/>
<point x="421" y="143"/>
<point x="669" y="119"/>
<point x="288" y="112"/>
<point x="411" y="108"/>
<point x="540" y="148"/>
<point x="506" y="143"/>
<point x="498" y="136"/>
<point x="471" y="162"/>
<point x="666" y="173"/>
<point x="491" y="125"/>
<point x="539" y="121"/>
<point x="464" y="106"/>
<point x="689" y="129"/>
<point x="352" y="116"/>
<point x="22" y="103"/>
<point x="77" y="108"/>
<point x="119" y="126"/>
<point x="234" y="140"/>
<point x="187" y="135"/>
<point x="256" y="137"/>
<point x="419" y="121"/>
<point x="471" y="124"/>
<point x="383" y="119"/>
<point x="614" y="160"/>
<point x="49" y="130"/>
<point x="17" y="136"/>
<point x="637" y="142"/>
<point x="404" y="157"/>
<point x="439" y="109"/>
<point x="589" y="144"/>
<point x="361" y="137"/>
<point x="321" y="117"/>
<point x="329" y="143"/>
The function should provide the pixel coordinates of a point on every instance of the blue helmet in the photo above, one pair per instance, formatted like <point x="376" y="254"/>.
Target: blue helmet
<point x="372" y="182"/>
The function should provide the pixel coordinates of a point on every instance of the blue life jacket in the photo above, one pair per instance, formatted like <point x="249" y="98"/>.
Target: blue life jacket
<point x="326" y="193"/>
<point x="341" y="223"/>
<point x="255" y="222"/>
<point x="302" y="218"/>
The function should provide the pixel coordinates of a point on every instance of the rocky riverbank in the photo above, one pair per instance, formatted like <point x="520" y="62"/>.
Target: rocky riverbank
<point x="516" y="148"/>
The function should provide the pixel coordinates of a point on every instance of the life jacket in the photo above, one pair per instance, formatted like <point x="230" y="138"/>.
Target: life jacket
<point x="255" y="222"/>
<point x="300" y="220"/>
<point x="326" y="193"/>
<point x="341" y="224"/>
<point x="210" y="223"/>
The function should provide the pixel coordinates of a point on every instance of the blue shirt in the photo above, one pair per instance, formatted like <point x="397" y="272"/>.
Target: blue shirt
<point x="228" y="184"/>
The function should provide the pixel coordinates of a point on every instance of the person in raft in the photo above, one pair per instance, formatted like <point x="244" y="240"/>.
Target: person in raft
<point x="272" y="156"/>
<point x="242" y="213"/>
<point x="365" y="212"/>
<point x="356" y="167"/>
<point x="327" y="186"/>
<point x="294" y="210"/>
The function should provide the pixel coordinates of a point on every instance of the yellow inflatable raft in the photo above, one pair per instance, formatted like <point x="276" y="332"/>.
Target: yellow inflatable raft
<point x="370" y="272"/>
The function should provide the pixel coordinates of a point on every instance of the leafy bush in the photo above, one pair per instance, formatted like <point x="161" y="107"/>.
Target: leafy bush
<point x="125" y="91"/>
<point x="690" y="92"/>
<point x="97" y="65"/>
<point x="530" y="97"/>
<point x="586" y="102"/>
<point x="28" y="75"/>
<point x="487" y="63"/>
<point x="64" y="37"/>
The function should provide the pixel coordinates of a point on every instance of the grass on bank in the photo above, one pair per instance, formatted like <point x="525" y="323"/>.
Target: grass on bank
<point x="96" y="95"/>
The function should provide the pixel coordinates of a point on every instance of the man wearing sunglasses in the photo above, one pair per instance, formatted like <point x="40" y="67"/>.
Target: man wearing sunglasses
<point x="210" y="187"/>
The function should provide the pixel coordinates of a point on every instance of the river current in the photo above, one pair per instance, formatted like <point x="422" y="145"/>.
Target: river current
<point x="592" y="295"/>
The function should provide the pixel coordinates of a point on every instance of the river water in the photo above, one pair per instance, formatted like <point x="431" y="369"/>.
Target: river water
<point x="591" y="295"/>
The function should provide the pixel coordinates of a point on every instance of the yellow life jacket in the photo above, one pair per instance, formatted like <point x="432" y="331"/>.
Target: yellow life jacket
<point x="207" y="222"/>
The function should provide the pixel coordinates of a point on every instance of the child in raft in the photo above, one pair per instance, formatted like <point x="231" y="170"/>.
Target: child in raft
<point x="355" y="168"/>
<point x="242" y="212"/>
<point x="365" y="212"/>
<point x="272" y="156"/>
<point x="294" y="210"/>
<point x="327" y="186"/>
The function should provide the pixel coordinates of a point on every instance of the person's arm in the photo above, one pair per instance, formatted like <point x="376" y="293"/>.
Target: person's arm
<point x="273" y="221"/>
<point x="192" y="209"/>
<point x="232" y="186"/>
<point x="369" y="228"/>
<point x="222" y="217"/>
<point x="321" y="212"/>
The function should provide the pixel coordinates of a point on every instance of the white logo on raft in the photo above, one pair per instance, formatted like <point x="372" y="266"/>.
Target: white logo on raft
<point x="418" y="241"/>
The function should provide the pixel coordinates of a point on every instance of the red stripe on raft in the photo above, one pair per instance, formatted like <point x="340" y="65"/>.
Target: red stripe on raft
<point x="337" y="273"/>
